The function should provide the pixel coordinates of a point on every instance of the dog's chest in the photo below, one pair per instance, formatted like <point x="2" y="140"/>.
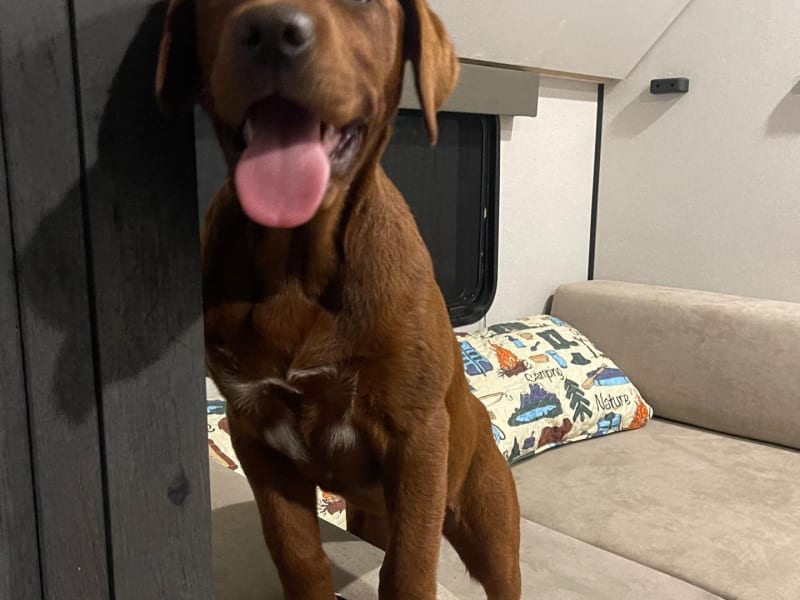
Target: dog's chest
<point x="293" y="385"/>
<point x="312" y="418"/>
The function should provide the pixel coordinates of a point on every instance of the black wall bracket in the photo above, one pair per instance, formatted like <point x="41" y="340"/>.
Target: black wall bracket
<point x="670" y="85"/>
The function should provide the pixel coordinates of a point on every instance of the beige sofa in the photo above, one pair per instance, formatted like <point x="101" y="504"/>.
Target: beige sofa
<point x="709" y="492"/>
<point x="704" y="502"/>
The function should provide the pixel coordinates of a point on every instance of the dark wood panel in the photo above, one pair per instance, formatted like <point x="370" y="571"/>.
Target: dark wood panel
<point x="19" y="545"/>
<point x="141" y="191"/>
<point x="43" y="170"/>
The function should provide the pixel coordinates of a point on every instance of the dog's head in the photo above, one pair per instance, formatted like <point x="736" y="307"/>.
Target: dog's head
<point x="302" y="92"/>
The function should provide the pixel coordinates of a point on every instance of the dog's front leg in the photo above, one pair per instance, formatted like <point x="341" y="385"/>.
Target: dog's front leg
<point x="287" y="505"/>
<point x="415" y="487"/>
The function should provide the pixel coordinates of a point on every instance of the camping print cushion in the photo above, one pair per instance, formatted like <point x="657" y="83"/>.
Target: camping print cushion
<point x="544" y="385"/>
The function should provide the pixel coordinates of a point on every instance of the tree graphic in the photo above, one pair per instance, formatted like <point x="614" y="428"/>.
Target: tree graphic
<point x="577" y="401"/>
<point x="515" y="452"/>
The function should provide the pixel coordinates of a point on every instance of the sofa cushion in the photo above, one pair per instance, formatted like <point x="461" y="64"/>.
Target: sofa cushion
<point x="715" y="361"/>
<point x="545" y="384"/>
<point x="554" y="566"/>
<point x="558" y="567"/>
<point x="717" y="511"/>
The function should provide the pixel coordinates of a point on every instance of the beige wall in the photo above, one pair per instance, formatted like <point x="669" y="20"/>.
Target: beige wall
<point x="546" y="173"/>
<point x="703" y="190"/>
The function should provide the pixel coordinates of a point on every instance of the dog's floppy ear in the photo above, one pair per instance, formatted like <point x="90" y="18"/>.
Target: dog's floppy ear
<point x="178" y="73"/>
<point x="431" y="52"/>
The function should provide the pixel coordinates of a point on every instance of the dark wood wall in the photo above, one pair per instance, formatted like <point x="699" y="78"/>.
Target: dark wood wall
<point x="103" y="457"/>
<point x="19" y="548"/>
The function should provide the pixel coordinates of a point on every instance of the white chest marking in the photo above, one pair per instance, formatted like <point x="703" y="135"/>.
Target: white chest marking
<point x="283" y="438"/>
<point x="297" y="374"/>
<point x="342" y="437"/>
<point x="282" y="384"/>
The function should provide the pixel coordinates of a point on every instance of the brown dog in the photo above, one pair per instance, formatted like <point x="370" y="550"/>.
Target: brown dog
<point x="325" y="328"/>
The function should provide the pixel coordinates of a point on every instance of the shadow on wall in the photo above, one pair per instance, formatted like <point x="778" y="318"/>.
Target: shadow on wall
<point x="785" y="119"/>
<point x="141" y="213"/>
<point x="506" y="128"/>
<point x="642" y="112"/>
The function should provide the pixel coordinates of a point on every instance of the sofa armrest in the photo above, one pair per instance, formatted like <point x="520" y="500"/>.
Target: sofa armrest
<point x="714" y="361"/>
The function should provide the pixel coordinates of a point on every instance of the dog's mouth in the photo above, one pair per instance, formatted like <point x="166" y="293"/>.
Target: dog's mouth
<point x="287" y="158"/>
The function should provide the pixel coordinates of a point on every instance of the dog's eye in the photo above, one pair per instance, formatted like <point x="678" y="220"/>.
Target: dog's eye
<point x="360" y="1"/>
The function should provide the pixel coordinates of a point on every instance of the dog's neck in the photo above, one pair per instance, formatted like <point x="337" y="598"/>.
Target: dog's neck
<point x="307" y="255"/>
<point x="312" y="255"/>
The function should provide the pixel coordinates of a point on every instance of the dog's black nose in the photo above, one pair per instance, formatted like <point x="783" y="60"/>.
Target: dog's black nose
<point x="275" y="33"/>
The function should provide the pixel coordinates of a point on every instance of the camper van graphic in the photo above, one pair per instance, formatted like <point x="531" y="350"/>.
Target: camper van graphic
<point x="605" y="376"/>
<point x="508" y="328"/>
<point x="536" y="404"/>
<point x="474" y="362"/>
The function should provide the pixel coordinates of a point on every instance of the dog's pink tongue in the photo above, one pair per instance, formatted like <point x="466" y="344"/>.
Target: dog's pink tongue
<point x="283" y="173"/>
